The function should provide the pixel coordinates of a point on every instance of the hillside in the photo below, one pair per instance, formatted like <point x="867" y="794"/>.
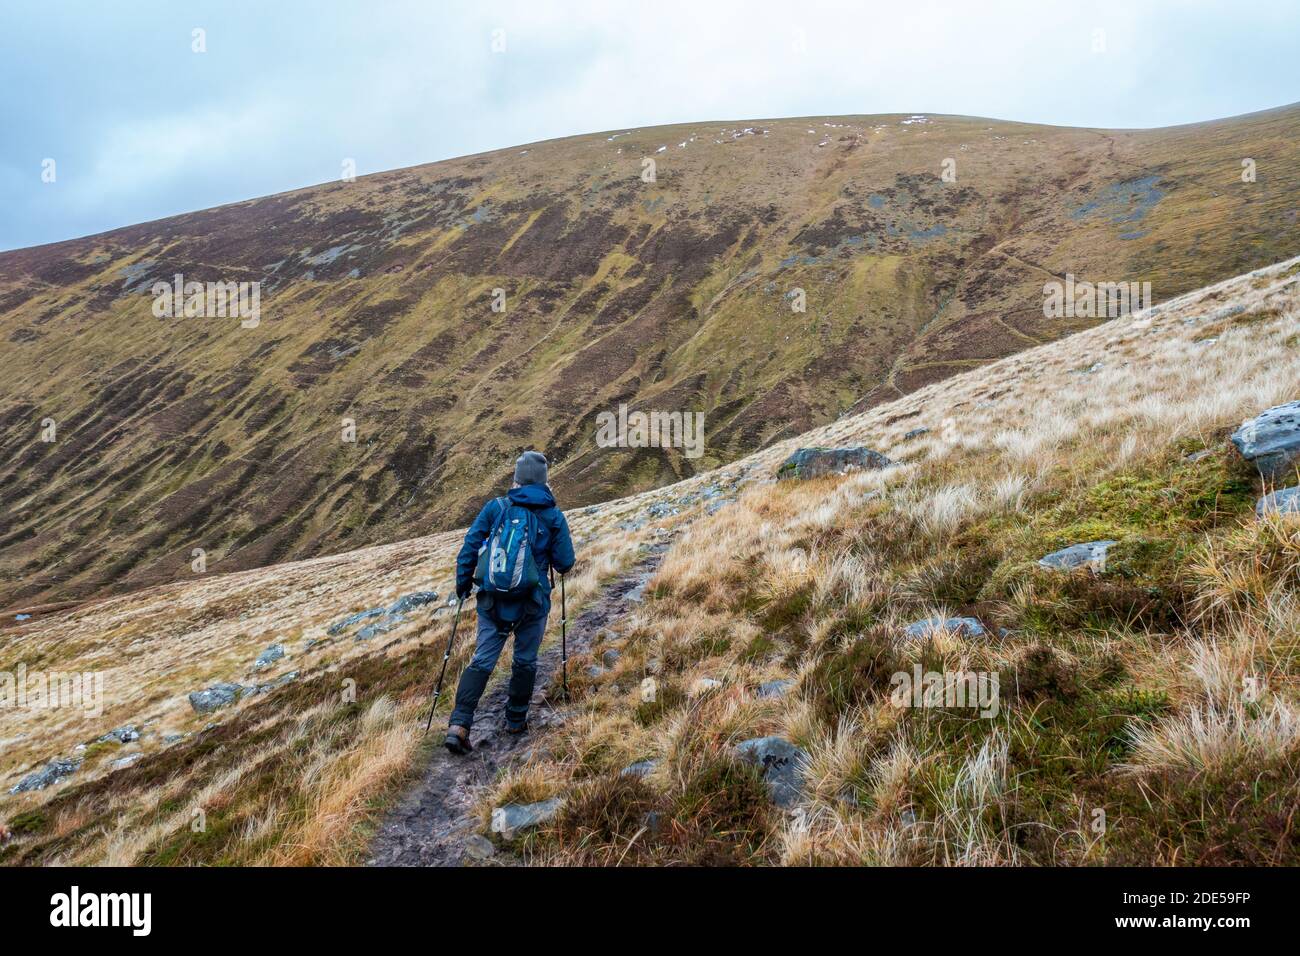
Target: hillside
<point x="176" y="434"/>
<point x="1160" y="688"/>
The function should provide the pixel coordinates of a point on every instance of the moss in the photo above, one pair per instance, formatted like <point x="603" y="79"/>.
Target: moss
<point x="757" y="649"/>
<point x="29" y="822"/>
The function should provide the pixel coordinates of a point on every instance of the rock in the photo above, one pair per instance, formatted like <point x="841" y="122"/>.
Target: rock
<point x="47" y="776"/>
<point x="1091" y="554"/>
<point x="717" y="505"/>
<point x="268" y="657"/>
<point x="774" y="688"/>
<point x="816" y="462"/>
<point x="479" y="847"/>
<point x="172" y="738"/>
<point x="958" y="626"/>
<point x="662" y="509"/>
<point x="636" y="594"/>
<point x="916" y="433"/>
<point x="338" y="627"/>
<point x="1271" y="440"/>
<point x="514" y="817"/>
<point x="216" y="697"/>
<point x="379" y="627"/>
<point x="639" y="769"/>
<point x="652" y="821"/>
<point x="120" y="735"/>
<point x="1198" y="455"/>
<point x="409" y="602"/>
<point x="593" y="670"/>
<point x="126" y="761"/>
<point x="782" y="764"/>
<point x="631" y="524"/>
<point x="278" y="682"/>
<point x="610" y="657"/>
<point x="649" y="690"/>
<point x="704" y="685"/>
<point x="1285" y="501"/>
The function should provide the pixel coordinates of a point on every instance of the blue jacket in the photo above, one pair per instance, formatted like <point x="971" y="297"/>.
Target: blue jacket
<point x="552" y="549"/>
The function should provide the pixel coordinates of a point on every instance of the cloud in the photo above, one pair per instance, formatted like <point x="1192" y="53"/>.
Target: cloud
<point x="143" y="127"/>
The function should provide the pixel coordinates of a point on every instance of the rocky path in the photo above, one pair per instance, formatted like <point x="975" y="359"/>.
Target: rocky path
<point x="434" y="824"/>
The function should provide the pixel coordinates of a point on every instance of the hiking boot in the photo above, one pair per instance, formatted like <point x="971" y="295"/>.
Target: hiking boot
<point x="458" y="740"/>
<point x="517" y="728"/>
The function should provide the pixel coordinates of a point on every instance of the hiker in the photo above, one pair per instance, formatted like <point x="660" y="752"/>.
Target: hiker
<point x="489" y="555"/>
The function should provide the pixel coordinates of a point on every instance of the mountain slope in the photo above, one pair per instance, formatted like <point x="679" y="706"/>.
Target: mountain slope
<point x="1124" y="691"/>
<point x="177" y="434"/>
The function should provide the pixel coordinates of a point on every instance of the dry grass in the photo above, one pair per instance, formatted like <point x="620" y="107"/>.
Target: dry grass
<point x="1139" y="671"/>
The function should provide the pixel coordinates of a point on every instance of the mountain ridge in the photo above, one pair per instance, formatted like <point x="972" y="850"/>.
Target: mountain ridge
<point x="377" y="308"/>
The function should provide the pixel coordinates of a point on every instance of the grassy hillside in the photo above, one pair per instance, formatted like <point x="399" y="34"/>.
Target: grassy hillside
<point x="176" y="434"/>
<point x="1123" y="691"/>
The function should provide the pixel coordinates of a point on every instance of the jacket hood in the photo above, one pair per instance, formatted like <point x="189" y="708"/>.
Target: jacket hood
<point x="532" y="496"/>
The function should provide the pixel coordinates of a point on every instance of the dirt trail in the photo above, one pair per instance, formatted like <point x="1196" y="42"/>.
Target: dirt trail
<point x="432" y="824"/>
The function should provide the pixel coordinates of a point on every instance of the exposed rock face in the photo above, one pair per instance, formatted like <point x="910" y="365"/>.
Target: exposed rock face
<point x="1285" y="501"/>
<point x="782" y="764"/>
<point x="1090" y="554"/>
<point x="816" y="462"/>
<point x="215" y="697"/>
<point x="639" y="769"/>
<point x="268" y="657"/>
<point x="774" y="688"/>
<point x="1271" y="440"/>
<point x="47" y="776"/>
<point x="121" y="735"/>
<point x="960" y="626"/>
<point x="409" y="602"/>
<point x="516" y="817"/>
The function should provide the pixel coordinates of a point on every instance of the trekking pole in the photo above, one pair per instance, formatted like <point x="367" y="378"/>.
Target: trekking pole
<point x="564" y="643"/>
<point x="437" y="691"/>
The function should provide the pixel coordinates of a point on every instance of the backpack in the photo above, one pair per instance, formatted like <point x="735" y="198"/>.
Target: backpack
<point x="506" y="566"/>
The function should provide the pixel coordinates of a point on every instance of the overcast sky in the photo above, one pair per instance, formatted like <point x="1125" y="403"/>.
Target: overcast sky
<point x="140" y="126"/>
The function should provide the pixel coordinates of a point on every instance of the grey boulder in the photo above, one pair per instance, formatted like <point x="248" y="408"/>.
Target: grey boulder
<point x="817" y="462"/>
<point x="782" y="765"/>
<point x="959" y="626"/>
<point x="1271" y="440"/>
<point x="1285" y="501"/>
<point x="47" y="776"/>
<point x="338" y="627"/>
<point x="1090" y="554"/>
<point x="120" y="735"/>
<point x="409" y="602"/>
<point x="268" y="657"/>
<point x="215" y="697"/>
<point x="514" y="818"/>
<point x="774" y="688"/>
<point x="641" y="768"/>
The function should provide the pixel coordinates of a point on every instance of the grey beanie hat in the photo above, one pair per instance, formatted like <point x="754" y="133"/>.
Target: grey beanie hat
<point x="530" y="469"/>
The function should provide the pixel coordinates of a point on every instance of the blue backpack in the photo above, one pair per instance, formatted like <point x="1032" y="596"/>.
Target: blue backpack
<point x="506" y="566"/>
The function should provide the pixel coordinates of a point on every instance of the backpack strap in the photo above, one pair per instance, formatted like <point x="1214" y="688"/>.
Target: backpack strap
<point x="504" y="504"/>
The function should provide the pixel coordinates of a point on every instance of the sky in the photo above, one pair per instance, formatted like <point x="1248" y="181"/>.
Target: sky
<point x="140" y="124"/>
